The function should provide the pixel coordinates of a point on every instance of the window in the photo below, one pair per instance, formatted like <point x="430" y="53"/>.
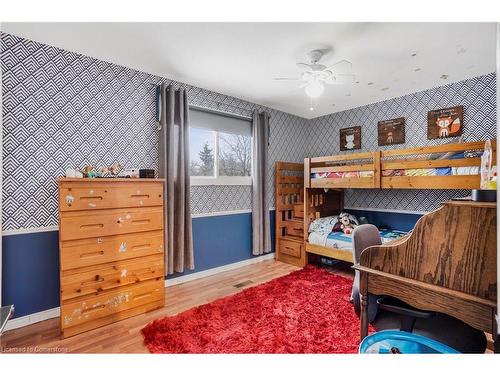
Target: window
<point x="220" y="149"/>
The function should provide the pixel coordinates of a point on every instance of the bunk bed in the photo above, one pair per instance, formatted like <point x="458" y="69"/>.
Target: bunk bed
<point x="449" y="166"/>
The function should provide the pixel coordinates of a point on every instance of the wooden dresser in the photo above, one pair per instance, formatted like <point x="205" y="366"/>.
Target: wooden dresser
<point x="110" y="250"/>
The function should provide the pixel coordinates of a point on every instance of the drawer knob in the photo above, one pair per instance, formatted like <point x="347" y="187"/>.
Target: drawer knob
<point x="99" y="240"/>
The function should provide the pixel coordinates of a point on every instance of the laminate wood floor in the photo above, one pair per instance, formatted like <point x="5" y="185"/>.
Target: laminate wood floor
<point x="125" y="336"/>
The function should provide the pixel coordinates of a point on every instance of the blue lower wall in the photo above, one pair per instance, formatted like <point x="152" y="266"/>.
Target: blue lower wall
<point x="30" y="272"/>
<point x="221" y="240"/>
<point x="30" y="275"/>
<point x="388" y="220"/>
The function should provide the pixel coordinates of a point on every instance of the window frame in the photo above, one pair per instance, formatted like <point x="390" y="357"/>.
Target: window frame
<point x="216" y="179"/>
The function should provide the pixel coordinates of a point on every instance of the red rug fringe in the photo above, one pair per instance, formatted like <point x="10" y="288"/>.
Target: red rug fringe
<point x="307" y="311"/>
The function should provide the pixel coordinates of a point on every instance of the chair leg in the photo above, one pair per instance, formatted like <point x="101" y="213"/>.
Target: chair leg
<point x="407" y="323"/>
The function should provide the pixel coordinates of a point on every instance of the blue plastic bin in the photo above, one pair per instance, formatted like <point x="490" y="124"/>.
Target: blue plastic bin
<point x="395" y="342"/>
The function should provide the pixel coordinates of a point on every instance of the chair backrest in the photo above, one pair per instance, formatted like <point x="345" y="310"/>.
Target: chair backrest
<point x="364" y="236"/>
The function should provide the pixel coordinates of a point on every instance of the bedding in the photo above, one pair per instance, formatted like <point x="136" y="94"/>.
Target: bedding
<point x="342" y="241"/>
<point x="321" y="233"/>
<point x="342" y="174"/>
<point x="449" y="171"/>
<point x="445" y="171"/>
<point x="325" y="225"/>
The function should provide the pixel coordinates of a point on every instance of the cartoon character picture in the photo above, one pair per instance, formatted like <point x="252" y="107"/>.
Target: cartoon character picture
<point x="389" y="138"/>
<point x="391" y="132"/>
<point x="443" y="123"/>
<point x="349" y="138"/>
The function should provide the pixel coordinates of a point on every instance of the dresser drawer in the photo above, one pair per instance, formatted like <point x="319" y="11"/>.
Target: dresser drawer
<point x="291" y="247"/>
<point x="91" y="251"/>
<point x="102" y="278"/>
<point x="112" y="304"/>
<point x="80" y="224"/>
<point x="95" y="195"/>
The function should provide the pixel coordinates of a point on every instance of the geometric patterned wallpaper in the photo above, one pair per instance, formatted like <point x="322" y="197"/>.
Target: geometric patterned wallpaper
<point x="62" y="109"/>
<point x="477" y="95"/>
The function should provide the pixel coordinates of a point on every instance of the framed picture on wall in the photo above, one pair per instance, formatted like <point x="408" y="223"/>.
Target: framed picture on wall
<point x="444" y="123"/>
<point x="391" y="132"/>
<point x="350" y="138"/>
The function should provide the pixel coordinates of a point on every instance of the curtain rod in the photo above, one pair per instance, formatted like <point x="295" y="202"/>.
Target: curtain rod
<point x="208" y="109"/>
<point x="218" y="111"/>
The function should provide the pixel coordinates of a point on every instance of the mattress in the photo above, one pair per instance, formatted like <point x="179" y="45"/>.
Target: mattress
<point x="342" y="241"/>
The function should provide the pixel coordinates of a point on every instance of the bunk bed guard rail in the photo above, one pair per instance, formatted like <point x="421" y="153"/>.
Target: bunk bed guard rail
<point x="349" y="171"/>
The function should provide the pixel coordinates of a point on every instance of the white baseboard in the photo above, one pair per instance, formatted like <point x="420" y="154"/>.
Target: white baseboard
<point x="214" y="271"/>
<point x="55" y="312"/>
<point x="32" y="318"/>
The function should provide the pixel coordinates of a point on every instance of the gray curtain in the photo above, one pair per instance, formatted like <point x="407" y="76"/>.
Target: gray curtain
<point x="261" y="231"/>
<point x="174" y="167"/>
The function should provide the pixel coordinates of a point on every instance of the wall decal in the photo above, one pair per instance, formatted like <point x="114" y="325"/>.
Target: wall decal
<point x="391" y="132"/>
<point x="443" y="123"/>
<point x="350" y="138"/>
<point x="65" y="110"/>
<point x="41" y="112"/>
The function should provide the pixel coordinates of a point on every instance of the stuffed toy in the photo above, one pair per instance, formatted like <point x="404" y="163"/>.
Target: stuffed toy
<point x="344" y="224"/>
<point x="113" y="170"/>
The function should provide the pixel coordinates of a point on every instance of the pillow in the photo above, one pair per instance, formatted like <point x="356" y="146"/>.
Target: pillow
<point x="323" y="224"/>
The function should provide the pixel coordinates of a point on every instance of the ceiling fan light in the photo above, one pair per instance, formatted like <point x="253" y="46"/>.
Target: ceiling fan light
<point x="314" y="89"/>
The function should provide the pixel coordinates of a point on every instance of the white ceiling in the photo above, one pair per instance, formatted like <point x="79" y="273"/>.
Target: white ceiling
<point x="241" y="59"/>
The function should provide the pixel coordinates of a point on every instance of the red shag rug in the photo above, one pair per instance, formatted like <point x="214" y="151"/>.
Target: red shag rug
<point x="307" y="311"/>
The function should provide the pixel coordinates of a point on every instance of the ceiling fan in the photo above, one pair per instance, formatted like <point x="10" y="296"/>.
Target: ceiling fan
<point x="316" y="75"/>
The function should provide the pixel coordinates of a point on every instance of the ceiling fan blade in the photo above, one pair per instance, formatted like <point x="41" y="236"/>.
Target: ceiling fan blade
<point x="341" y="79"/>
<point x="304" y="66"/>
<point x="341" y="65"/>
<point x="286" y="79"/>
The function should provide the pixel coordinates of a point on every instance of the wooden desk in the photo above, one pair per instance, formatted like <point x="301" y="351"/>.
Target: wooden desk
<point x="447" y="264"/>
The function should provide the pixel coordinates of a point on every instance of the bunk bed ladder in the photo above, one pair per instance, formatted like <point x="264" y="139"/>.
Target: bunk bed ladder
<point x="290" y="213"/>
